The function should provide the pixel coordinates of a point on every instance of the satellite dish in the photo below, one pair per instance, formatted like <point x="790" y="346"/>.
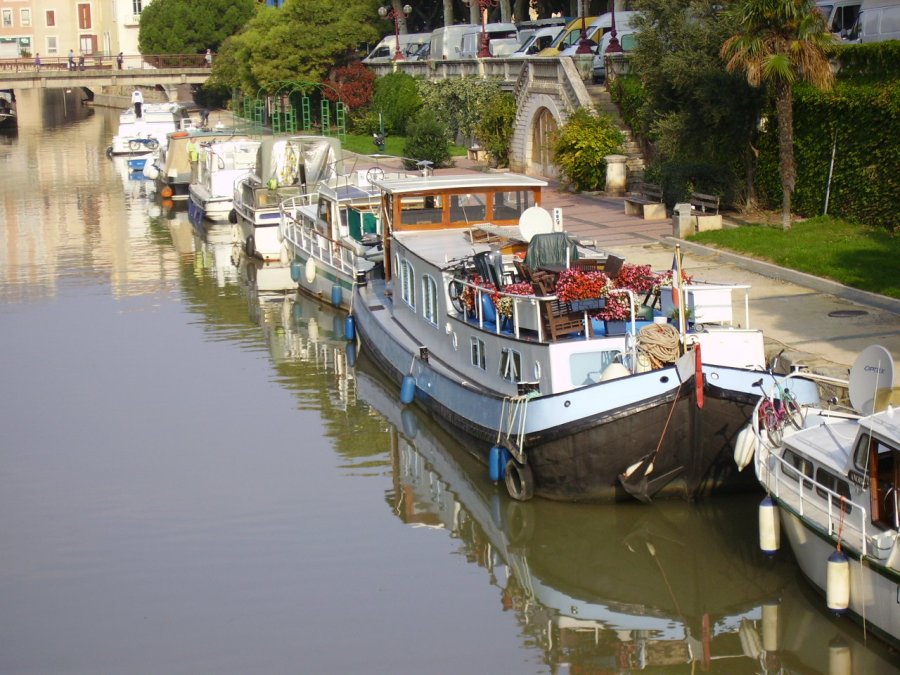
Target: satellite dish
<point x="872" y="370"/>
<point x="535" y="220"/>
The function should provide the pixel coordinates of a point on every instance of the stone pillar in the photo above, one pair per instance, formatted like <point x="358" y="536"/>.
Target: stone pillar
<point x="682" y="221"/>
<point x="616" y="174"/>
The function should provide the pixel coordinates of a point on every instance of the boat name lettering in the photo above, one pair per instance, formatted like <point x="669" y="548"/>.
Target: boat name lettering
<point x="858" y="479"/>
<point x="875" y="369"/>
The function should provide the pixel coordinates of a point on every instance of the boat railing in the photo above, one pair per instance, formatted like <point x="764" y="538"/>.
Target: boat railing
<point x="813" y="502"/>
<point x="305" y="237"/>
<point x="526" y="311"/>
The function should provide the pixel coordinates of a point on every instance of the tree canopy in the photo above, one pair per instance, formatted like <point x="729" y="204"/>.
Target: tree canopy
<point x="302" y="41"/>
<point x="191" y="26"/>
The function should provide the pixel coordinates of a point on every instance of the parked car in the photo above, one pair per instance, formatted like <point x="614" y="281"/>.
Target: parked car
<point x="540" y="39"/>
<point x="600" y="27"/>
<point x="840" y="15"/>
<point x="569" y="36"/>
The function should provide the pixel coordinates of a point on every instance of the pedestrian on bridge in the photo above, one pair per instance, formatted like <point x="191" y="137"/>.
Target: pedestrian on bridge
<point x="209" y="58"/>
<point x="37" y="61"/>
<point x="120" y="59"/>
<point x="137" y="98"/>
<point x="71" y="60"/>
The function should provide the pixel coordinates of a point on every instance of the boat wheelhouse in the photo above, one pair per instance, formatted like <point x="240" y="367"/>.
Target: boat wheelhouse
<point x="156" y="122"/>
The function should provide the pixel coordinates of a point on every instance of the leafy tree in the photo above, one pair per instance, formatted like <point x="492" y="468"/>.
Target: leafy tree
<point x="352" y="84"/>
<point x="494" y="129"/>
<point x="301" y="41"/>
<point x="191" y="26"/>
<point x="679" y="105"/>
<point x="427" y="139"/>
<point x="457" y="103"/>
<point x="396" y="98"/>
<point x="582" y="145"/>
<point x="779" y="43"/>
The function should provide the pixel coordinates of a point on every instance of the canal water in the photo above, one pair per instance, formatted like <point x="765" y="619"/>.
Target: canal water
<point x="199" y="475"/>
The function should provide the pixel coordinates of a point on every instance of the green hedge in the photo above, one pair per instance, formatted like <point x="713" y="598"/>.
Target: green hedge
<point x="862" y="124"/>
<point x="872" y="61"/>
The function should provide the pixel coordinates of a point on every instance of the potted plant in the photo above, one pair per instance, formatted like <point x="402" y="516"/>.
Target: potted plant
<point x="583" y="290"/>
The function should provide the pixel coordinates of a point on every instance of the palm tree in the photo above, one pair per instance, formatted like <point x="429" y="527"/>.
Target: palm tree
<point x="783" y="41"/>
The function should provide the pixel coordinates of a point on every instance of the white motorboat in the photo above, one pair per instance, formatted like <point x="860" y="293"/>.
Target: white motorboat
<point x="222" y="163"/>
<point x="145" y="134"/>
<point x="7" y="110"/>
<point x="285" y="167"/>
<point x="556" y="402"/>
<point x="834" y="483"/>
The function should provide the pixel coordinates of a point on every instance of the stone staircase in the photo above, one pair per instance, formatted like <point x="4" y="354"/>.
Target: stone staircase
<point x="635" y="163"/>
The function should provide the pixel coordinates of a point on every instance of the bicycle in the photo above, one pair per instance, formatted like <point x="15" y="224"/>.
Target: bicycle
<point x="135" y="144"/>
<point x="773" y="413"/>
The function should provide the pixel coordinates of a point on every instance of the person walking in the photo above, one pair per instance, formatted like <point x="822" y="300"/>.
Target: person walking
<point x="193" y="152"/>
<point x="71" y="59"/>
<point x="137" y="99"/>
<point x="120" y="59"/>
<point x="37" y="61"/>
<point x="209" y="58"/>
<point x="81" y="61"/>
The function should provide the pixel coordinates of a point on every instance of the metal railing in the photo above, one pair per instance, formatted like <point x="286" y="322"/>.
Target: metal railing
<point x="93" y="62"/>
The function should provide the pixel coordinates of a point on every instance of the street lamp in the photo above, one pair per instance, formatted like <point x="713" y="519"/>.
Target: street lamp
<point x="392" y="13"/>
<point x="614" y="46"/>
<point x="483" y="6"/>
<point x="584" y="45"/>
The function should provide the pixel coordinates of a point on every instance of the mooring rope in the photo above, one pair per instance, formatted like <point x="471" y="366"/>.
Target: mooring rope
<point x="659" y="343"/>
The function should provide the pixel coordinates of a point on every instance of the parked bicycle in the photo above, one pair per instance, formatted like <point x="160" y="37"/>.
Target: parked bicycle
<point x="774" y="413"/>
<point x="136" y="144"/>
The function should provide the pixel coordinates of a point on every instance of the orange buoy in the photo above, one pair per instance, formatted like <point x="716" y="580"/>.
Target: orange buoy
<point x="699" y="372"/>
<point x="166" y="191"/>
<point x="179" y="134"/>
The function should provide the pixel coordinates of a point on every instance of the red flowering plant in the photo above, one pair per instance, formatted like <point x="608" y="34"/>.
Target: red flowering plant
<point x="665" y="279"/>
<point x="573" y="284"/>
<point x="505" y="303"/>
<point x="639" y="279"/>
<point x="469" y="293"/>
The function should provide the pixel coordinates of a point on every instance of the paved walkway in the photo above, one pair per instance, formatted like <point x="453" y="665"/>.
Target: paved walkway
<point x="819" y="323"/>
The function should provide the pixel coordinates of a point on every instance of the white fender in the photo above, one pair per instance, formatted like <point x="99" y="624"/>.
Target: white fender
<point x="310" y="271"/>
<point x="744" y="447"/>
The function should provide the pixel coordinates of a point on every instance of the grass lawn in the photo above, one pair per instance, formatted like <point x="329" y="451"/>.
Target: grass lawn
<point x="393" y="145"/>
<point x="855" y="255"/>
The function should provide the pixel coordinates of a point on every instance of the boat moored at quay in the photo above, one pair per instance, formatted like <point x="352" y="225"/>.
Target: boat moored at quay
<point x="832" y="475"/>
<point x="531" y="344"/>
<point x="146" y="134"/>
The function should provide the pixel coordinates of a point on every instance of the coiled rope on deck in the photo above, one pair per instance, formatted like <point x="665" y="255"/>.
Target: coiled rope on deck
<point x="659" y="343"/>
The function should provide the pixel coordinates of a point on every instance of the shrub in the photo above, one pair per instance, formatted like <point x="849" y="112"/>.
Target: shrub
<point x="351" y="84"/>
<point x="396" y="98"/>
<point x="458" y="103"/>
<point x="427" y="139"/>
<point x="581" y="146"/>
<point x="495" y="128"/>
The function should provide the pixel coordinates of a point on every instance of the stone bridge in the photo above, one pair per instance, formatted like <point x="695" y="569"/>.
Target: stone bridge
<point x="91" y="79"/>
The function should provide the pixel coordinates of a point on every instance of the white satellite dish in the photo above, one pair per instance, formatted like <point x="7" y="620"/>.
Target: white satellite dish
<point x="872" y="370"/>
<point x="535" y="220"/>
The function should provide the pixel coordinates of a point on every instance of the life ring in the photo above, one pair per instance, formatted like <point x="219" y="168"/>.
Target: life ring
<point x="519" y="481"/>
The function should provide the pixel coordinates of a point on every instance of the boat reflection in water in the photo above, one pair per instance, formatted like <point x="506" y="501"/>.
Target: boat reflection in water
<point x="619" y="588"/>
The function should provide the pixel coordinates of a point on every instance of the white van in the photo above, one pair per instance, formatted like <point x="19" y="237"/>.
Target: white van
<point x="600" y="27"/>
<point x="626" y="40"/>
<point x="540" y="39"/>
<point x="410" y="43"/>
<point x="503" y="38"/>
<point x="878" y="20"/>
<point x="840" y="15"/>
<point x="447" y="40"/>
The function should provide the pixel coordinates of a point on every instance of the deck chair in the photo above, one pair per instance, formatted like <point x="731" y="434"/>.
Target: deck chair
<point x="550" y="248"/>
<point x="613" y="266"/>
<point x="489" y="264"/>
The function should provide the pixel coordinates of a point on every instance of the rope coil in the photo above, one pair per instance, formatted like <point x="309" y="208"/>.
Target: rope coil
<point x="660" y="343"/>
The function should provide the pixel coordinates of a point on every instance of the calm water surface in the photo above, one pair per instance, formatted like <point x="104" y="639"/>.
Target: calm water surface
<point x="195" y="478"/>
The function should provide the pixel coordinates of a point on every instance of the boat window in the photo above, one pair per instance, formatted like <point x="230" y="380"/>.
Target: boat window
<point x="468" y="208"/>
<point x="478" y="359"/>
<point x="801" y="463"/>
<point x="429" y="299"/>
<point x="587" y="367"/>
<point x="511" y="205"/>
<point x="882" y="465"/>
<point x="511" y="365"/>
<point x="835" y="484"/>
<point x="418" y="209"/>
<point x="407" y="283"/>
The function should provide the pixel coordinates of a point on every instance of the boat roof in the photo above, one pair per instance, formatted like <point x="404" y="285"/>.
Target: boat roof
<point x="439" y="247"/>
<point x="828" y="444"/>
<point x="474" y="181"/>
<point x="885" y="424"/>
